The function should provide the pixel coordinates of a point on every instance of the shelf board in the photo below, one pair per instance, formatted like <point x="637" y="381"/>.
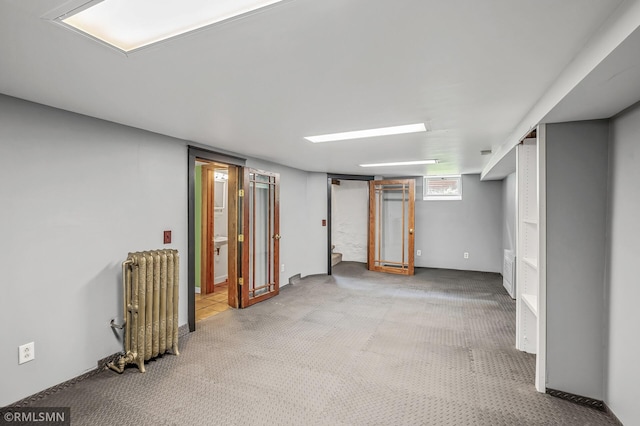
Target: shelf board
<point x="530" y="221"/>
<point x="531" y="262"/>
<point x="532" y="302"/>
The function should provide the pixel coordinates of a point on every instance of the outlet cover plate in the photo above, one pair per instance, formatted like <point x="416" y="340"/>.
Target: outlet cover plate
<point x="26" y="352"/>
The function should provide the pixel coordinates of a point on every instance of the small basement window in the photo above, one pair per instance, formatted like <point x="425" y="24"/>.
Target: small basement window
<point x="442" y="187"/>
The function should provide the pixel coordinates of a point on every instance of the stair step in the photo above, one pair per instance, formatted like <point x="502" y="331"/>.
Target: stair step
<point x="336" y="258"/>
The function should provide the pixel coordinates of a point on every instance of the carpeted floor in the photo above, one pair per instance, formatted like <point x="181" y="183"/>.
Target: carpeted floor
<point x="357" y="348"/>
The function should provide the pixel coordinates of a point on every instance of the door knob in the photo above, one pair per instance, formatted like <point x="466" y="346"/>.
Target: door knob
<point x="277" y="236"/>
<point x="410" y="230"/>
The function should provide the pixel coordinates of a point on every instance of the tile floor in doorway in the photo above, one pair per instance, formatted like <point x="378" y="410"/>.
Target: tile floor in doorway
<point x="208" y="305"/>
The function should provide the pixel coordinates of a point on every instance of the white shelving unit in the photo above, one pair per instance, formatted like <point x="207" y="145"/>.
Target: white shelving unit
<point x="530" y="291"/>
<point x="532" y="303"/>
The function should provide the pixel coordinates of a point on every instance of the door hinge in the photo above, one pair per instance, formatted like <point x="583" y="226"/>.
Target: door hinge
<point x="240" y="238"/>
<point x="240" y="281"/>
<point x="241" y="193"/>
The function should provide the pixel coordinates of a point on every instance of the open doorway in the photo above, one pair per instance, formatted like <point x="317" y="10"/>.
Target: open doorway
<point x="211" y="248"/>
<point x="348" y="218"/>
<point x="213" y="222"/>
<point x="371" y="222"/>
<point x="233" y="213"/>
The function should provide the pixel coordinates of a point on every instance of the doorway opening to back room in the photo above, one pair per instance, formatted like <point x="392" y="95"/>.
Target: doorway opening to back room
<point x="213" y="255"/>
<point x="211" y="229"/>
<point x="348" y="219"/>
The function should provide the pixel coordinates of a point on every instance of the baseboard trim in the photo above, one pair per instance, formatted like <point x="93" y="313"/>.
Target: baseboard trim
<point x="295" y="279"/>
<point x="102" y="365"/>
<point x="578" y="399"/>
<point x="612" y="414"/>
<point x="53" y="389"/>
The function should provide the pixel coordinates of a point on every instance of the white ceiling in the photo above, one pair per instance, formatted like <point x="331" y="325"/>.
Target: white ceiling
<point x="257" y="85"/>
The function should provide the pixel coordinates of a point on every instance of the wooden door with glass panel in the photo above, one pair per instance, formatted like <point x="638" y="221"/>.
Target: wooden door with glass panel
<point x="260" y="236"/>
<point x="391" y="226"/>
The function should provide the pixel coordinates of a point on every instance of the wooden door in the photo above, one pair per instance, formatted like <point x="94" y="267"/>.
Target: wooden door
<point x="207" y="246"/>
<point x="391" y="226"/>
<point x="260" y="236"/>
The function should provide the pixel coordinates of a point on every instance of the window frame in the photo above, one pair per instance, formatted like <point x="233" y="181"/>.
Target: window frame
<point x="449" y="197"/>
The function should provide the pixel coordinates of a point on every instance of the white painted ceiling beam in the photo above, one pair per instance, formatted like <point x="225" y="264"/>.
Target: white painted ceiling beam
<point x="620" y="25"/>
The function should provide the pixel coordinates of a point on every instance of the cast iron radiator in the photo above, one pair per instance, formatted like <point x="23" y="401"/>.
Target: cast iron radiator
<point x="150" y="296"/>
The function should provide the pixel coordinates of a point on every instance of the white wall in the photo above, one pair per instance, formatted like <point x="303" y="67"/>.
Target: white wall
<point x="623" y="369"/>
<point x="220" y="226"/>
<point x="350" y="219"/>
<point x="509" y="212"/>
<point x="447" y="229"/>
<point x="77" y="194"/>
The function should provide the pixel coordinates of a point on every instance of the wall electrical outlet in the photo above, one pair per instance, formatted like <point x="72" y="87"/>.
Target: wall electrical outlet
<point x="419" y="253"/>
<point x="26" y="352"/>
<point x="466" y="255"/>
<point x="167" y="237"/>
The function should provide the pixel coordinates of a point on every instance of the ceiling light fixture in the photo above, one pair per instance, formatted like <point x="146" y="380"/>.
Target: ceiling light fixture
<point x="359" y="134"/>
<point x="401" y="163"/>
<point x="130" y="25"/>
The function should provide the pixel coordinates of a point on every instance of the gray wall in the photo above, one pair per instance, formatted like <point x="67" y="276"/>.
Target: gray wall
<point x="623" y="368"/>
<point x="314" y="240"/>
<point x="76" y="195"/>
<point x="447" y="229"/>
<point x="576" y="193"/>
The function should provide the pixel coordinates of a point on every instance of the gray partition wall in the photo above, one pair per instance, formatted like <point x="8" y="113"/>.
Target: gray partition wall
<point x="576" y="195"/>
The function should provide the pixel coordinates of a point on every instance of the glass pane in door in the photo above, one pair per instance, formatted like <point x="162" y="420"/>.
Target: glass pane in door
<point x="391" y="226"/>
<point x="260" y="271"/>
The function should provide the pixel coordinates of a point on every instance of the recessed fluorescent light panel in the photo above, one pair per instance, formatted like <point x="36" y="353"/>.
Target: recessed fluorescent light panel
<point x="401" y="163"/>
<point x="359" y="134"/>
<point x="132" y="24"/>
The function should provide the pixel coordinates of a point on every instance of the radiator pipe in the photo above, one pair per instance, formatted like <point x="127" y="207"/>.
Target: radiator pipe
<point x="114" y="325"/>
<point x="124" y="297"/>
<point x="118" y="366"/>
<point x="128" y="357"/>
